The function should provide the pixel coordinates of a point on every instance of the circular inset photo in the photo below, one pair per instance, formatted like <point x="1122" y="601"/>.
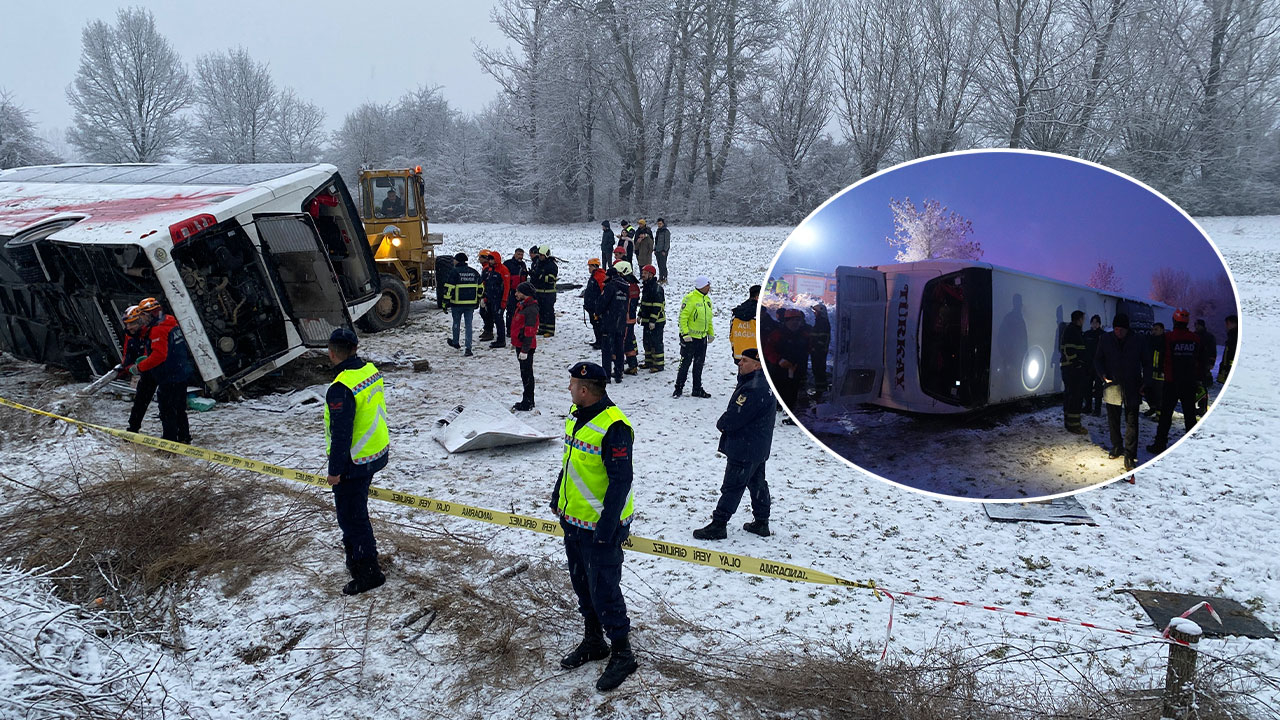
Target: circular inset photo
<point x="998" y="325"/>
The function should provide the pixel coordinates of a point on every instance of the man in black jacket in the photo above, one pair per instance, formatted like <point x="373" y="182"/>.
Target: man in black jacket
<point x="1119" y="363"/>
<point x="493" y="301"/>
<point x="606" y="241"/>
<point x="613" y="307"/>
<point x="653" y="317"/>
<point x="819" y="346"/>
<point x="1074" y="373"/>
<point x="519" y="273"/>
<point x="1093" y="384"/>
<point x="1183" y="373"/>
<point x="545" y="274"/>
<point x="662" y="246"/>
<point x="746" y="435"/>
<point x="461" y="297"/>
<point x="1208" y="358"/>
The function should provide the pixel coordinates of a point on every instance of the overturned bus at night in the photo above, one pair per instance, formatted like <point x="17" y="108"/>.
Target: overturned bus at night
<point x="953" y="336"/>
<point x="256" y="262"/>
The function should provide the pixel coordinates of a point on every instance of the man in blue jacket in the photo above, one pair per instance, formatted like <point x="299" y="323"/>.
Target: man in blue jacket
<point x="746" y="434"/>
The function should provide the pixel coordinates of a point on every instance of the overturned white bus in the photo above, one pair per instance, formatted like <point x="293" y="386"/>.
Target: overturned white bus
<point x="951" y="336"/>
<point x="256" y="262"/>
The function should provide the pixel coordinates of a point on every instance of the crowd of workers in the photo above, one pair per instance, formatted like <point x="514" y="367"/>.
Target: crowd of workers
<point x="1120" y="369"/>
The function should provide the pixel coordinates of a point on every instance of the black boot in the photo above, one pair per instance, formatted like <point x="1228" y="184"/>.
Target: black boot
<point x="757" y="527"/>
<point x="365" y="576"/>
<point x="700" y="393"/>
<point x="713" y="531"/>
<point x="622" y="662"/>
<point x="592" y="647"/>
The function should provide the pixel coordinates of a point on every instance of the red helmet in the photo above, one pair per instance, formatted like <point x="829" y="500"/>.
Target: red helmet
<point x="1181" y="315"/>
<point x="649" y="269"/>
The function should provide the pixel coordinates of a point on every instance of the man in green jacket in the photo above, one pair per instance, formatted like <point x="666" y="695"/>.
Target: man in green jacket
<point x="696" y="332"/>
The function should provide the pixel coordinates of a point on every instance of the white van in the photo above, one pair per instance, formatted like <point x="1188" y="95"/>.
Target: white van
<point x="256" y="262"/>
<point x="952" y="336"/>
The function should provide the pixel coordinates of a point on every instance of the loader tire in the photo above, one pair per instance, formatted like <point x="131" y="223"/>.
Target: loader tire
<point x="392" y="308"/>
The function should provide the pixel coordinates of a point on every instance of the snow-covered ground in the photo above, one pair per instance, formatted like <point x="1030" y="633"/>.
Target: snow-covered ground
<point x="1200" y="519"/>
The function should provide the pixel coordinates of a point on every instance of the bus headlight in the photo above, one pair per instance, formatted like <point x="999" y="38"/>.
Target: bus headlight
<point x="1034" y="366"/>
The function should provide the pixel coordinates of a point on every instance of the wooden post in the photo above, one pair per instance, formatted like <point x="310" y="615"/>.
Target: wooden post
<point x="1182" y="668"/>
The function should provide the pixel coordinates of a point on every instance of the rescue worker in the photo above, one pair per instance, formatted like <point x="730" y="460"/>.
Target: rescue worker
<point x="819" y="346"/>
<point x="524" y="338"/>
<point x="631" y="347"/>
<point x="607" y="243"/>
<point x="644" y="243"/>
<point x="653" y="317"/>
<point x="1229" y="352"/>
<point x="1209" y="357"/>
<point x="591" y="299"/>
<point x="696" y="332"/>
<point x="661" y="247"/>
<point x="135" y="348"/>
<point x="594" y="501"/>
<point x="168" y="362"/>
<point x="517" y="273"/>
<point x="786" y="353"/>
<point x="615" y="300"/>
<point x="461" y="296"/>
<point x="493" y="303"/>
<point x="1119" y="363"/>
<point x="544" y="275"/>
<point x="1153" y="380"/>
<point x="742" y="328"/>
<point x="1183" y="357"/>
<point x="356" y="440"/>
<point x="1071" y="352"/>
<point x="1093" y="384"/>
<point x="746" y="435"/>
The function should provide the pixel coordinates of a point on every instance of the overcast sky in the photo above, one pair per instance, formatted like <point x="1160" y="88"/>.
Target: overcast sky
<point x="1047" y="215"/>
<point x="335" y="54"/>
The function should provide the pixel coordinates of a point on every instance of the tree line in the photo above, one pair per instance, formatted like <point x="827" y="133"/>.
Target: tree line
<point x="738" y="111"/>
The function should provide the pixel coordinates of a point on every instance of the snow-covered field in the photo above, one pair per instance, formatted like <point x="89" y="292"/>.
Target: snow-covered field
<point x="1200" y="519"/>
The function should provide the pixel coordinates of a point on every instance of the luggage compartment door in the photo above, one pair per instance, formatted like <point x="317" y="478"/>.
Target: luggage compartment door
<point x="299" y="262"/>
<point x="860" y="318"/>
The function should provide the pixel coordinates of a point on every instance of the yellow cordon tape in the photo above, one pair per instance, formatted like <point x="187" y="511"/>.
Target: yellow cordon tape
<point x="685" y="553"/>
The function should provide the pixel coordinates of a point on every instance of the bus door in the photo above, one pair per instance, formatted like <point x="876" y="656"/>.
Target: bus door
<point x="859" y="334"/>
<point x="307" y="282"/>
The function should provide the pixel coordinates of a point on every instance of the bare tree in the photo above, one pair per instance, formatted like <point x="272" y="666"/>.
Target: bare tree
<point x="128" y="92"/>
<point x="792" y="107"/>
<point x="871" y="52"/>
<point x="235" y="108"/>
<point x="1169" y="285"/>
<point x="943" y="70"/>
<point x="19" y="143"/>
<point x="930" y="232"/>
<point x="1104" y="277"/>
<point x="297" y="130"/>
<point x="1027" y="73"/>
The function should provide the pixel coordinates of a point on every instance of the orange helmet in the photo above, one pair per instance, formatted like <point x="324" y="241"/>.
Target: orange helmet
<point x="485" y="254"/>
<point x="148" y="305"/>
<point x="132" y="315"/>
<point x="1181" y="315"/>
<point x="593" y="262"/>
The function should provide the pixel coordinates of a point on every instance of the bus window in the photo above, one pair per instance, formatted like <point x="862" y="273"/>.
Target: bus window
<point x="955" y="337"/>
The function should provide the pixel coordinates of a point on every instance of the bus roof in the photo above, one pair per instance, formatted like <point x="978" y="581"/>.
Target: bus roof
<point x="124" y="203"/>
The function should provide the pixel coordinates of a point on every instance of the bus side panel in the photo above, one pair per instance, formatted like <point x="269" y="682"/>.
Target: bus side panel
<point x="1028" y="316"/>
<point x="859" y="334"/>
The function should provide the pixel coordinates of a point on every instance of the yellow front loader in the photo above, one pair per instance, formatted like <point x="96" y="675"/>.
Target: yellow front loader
<point x="395" y="221"/>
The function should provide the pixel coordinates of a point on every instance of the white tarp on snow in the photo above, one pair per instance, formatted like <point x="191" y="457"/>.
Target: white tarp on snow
<point x="484" y="424"/>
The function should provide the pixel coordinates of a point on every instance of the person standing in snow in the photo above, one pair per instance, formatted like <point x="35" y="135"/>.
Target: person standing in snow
<point x="607" y="243"/>
<point x="1074" y="374"/>
<point x="544" y="275"/>
<point x="746" y="435"/>
<point x="1209" y="356"/>
<point x="661" y="247"/>
<point x="742" y="328"/>
<point x="524" y="338"/>
<point x="591" y="300"/>
<point x="1093" y="383"/>
<point x="1183" y="372"/>
<point x="356" y="441"/>
<point x="517" y="273"/>
<point x="613" y="307"/>
<point x="644" y="244"/>
<point x="696" y="332"/>
<point x="1229" y="352"/>
<point x="819" y="347"/>
<point x="1119" y="363"/>
<point x="653" y="316"/>
<point x="594" y="501"/>
<point x="786" y="353"/>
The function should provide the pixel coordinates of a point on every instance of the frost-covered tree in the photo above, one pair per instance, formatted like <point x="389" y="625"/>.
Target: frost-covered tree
<point x="872" y="48"/>
<point x="19" y="143"/>
<point x="930" y="232"/>
<point x="1104" y="277"/>
<point x="297" y="130"/>
<point x="1169" y="286"/>
<point x="128" y="92"/>
<point x="943" y="69"/>
<point x="235" y="109"/>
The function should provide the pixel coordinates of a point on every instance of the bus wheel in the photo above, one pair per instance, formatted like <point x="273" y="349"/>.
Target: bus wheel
<point x="392" y="307"/>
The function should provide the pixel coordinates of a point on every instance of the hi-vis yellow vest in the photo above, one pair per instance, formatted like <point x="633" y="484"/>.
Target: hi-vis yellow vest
<point x="370" y="437"/>
<point x="742" y="334"/>
<point x="582" y="477"/>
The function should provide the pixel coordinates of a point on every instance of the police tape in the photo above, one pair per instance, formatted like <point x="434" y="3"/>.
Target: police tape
<point x="697" y="556"/>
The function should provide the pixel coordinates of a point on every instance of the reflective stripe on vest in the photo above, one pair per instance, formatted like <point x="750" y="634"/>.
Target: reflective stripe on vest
<point x="742" y="335"/>
<point x="583" y="480"/>
<point x="1157" y="368"/>
<point x="370" y="436"/>
<point x="660" y="315"/>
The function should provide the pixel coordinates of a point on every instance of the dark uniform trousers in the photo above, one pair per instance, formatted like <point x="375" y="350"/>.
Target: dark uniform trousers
<point x="351" y="498"/>
<point x="818" y="359"/>
<point x="1074" y="383"/>
<point x="595" y="569"/>
<point x="654" y="356"/>
<point x="1171" y="395"/>
<point x="662" y="264"/>
<point x="142" y="397"/>
<point x="612" y="353"/>
<point x="632" y="350"/>
<point x="693" y="352"/>
<point x="173" y="412"/>
<point x="742" y="476"/>
<point x="546" y="312"/>
<point x="1130" y="440"/>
